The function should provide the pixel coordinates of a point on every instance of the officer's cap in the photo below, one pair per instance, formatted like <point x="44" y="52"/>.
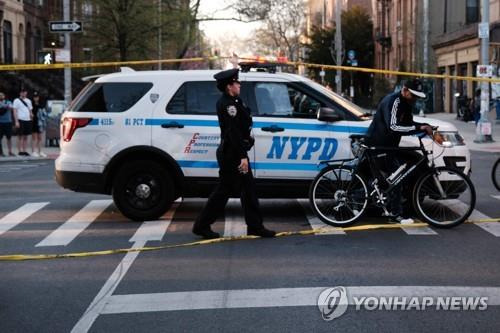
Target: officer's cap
<point x="226" y="77"/>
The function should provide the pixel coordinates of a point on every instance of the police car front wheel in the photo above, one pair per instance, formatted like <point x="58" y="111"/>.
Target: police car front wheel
<point x="143" y="190"/>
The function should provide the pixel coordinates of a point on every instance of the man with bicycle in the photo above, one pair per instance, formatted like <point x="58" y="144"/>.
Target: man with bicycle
<point x="393" y="119"/>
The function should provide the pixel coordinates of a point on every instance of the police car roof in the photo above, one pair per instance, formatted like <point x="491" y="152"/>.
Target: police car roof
<point x="206" y="75"/>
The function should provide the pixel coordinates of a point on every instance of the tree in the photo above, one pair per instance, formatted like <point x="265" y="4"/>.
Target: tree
<point x="128" y="29"/>
<point x="357" y="34"/>
<point x="283" y="23"/>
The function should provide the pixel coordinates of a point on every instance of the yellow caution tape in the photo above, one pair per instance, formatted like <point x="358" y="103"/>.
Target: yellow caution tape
<point x="199" y="59"/>
<point x="24" y="257"/>
<point x="102" y="64"/>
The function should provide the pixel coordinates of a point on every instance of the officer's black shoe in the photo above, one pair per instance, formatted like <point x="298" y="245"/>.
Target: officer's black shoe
<point x="262" y="232"/>
<point x="206" y="233"/>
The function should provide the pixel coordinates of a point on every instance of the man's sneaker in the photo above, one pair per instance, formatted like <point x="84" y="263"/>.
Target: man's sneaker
<point x="206" y="232"/>
<point x="401" y="220"/>
<point x="35" y="154"/>
<point x="42" y="154"/>
<point x="262" y="232"/>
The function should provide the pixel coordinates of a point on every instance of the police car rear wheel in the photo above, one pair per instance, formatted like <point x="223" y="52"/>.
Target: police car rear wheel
<point x="143" y="190"/>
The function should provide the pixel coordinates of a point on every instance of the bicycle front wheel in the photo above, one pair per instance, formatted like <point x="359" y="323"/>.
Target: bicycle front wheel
<point x="444" y="197"/>
<point x="338" y="196"/>
<point x="495" y="174"/>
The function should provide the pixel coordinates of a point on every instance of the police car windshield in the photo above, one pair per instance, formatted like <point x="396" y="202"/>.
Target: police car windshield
<point x="353" y="108"/>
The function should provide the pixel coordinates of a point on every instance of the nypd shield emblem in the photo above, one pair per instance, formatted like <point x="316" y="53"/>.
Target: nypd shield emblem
<point x="232" y="111"/>
<point x="154" y="97"/>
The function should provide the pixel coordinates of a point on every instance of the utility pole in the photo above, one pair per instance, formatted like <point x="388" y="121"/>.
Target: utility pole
<point x="426" y="36"/>
<point x="159" y="35"/>
<point x="338" y="44"/>
<point x="483" y="130"/>
<point x="67" y="46"/>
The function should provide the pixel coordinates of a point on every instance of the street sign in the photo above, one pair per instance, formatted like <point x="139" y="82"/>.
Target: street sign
<point x="351" y="54"/>
<point x="65" y="26"/>
<point x="484" y="30"/>
<point x="484" y="71"/>
<point x="63" y="55"/>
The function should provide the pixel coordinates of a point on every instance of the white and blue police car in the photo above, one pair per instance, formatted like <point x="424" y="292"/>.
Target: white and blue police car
<point x="149" y="137"/>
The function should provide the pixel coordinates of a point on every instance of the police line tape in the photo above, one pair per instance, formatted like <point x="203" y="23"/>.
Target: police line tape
<point x="288" y="63"/>
<point x="326" y="229"/>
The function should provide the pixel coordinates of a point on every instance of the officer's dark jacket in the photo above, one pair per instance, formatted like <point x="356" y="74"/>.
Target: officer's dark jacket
<point x="392" y="120"/>
<point x="235" y="122"/>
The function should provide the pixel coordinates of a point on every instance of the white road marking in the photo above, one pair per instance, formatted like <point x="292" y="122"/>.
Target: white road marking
<point x="234" y="223"/>
<point x="280" y="297"/>
<point x="155" y="231"/>
<point x="12" y="219"/>
<point x="496" y="196"/>
<point x="418" y="231"/>
<point x="316" y="223"/>
<point x="491" y="227"/>
<point x="76" y="224"/>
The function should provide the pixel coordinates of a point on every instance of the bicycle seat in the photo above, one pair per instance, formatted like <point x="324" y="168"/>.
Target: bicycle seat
<point x="360" y="137"/>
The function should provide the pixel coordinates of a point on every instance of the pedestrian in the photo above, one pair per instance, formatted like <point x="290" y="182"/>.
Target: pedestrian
<point x="23" y="110"/>
<point x="39" y="125"/>
<point x="235" y="174"/>
<point x="6" y="117"/>
<point x="476" y="106"/>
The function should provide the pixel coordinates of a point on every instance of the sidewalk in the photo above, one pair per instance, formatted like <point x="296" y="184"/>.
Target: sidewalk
<point x="52" y="154"/>
<point x="468" y="131"/>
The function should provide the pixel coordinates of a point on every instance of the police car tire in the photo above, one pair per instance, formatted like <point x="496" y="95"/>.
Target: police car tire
<point x="163" y="191"/>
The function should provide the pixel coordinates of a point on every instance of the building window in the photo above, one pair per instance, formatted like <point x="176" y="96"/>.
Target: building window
<point x="7" y="42"/>
<point x="472" y="11"/>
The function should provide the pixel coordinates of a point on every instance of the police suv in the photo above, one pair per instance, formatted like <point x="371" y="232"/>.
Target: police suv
<point x="149" y="137"/>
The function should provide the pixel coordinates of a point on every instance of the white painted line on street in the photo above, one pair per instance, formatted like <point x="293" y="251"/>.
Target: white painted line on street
<point x="234" y="223"/>
<point x="496" y="196"/>
<point x="12" y="219"/>
<point x="424" y="231"/>
<point x="281" y="297"/>
<point x="154" y="230"/>
<point x="316" y="223"/>
<point x="491" y="227"/>
<point x="95" y="308"/>
<point x="76" y="224"/>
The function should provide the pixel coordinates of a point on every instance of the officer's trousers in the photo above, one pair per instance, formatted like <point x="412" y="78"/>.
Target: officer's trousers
<point x="231" y="183"/>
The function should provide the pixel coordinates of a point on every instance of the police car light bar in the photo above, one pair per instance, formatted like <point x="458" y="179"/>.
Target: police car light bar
<point x="258" y="66"/>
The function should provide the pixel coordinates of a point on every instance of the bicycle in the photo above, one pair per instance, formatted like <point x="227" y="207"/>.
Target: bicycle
<point x="341" y="192"/>
<point x="495" y="174"/>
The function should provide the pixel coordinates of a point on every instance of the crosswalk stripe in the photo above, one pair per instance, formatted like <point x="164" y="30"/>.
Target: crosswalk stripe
<point x="316" y="223"/>
<point x="234" y="223"/>
<point x="418" y="231"/>
<point x="12" y="219"/>
<point x="154" y="230"/>
<point x="491" y="227"/>
<point x="76" y="224"/>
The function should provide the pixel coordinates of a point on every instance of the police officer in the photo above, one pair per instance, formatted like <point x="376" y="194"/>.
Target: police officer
<point x="393" y="119"/>
<point x="235" y="175"/>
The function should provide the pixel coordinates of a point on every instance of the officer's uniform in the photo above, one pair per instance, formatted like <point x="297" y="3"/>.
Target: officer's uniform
<point x="235" y="122"/>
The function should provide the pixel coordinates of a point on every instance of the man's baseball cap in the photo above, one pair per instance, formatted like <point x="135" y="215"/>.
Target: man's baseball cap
<point x="416" y="88"/>
<point x="226" y="77"/>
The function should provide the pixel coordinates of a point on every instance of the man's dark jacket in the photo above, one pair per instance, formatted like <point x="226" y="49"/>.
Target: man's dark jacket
<point x="392" y="120"/>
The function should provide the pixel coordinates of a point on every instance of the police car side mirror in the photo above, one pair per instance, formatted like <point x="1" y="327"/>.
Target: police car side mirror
<point x="328" y="115"/>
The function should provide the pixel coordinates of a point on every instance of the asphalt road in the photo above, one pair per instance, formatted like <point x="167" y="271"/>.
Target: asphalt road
<point x="250" y="285"/>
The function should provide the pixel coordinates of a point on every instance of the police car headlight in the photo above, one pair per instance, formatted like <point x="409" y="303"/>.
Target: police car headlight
<point x="453" y="139"/>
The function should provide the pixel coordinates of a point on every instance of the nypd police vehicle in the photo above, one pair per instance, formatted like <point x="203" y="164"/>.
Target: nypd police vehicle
<point x="149" y="137"/>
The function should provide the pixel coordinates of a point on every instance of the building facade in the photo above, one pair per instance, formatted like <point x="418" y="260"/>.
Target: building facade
<point x="457" y="46"/>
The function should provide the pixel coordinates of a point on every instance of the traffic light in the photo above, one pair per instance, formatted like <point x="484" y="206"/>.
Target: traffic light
<point x="45" y="57"/>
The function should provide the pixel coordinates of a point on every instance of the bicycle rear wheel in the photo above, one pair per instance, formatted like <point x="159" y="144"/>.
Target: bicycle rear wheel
<point x="495" y="174"/>
<point x="444" y="197"/>
<point x="338" y="196"/>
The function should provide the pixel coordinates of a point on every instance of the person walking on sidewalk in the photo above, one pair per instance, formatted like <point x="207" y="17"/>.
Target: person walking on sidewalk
<point x="6" y="116"/>
<point x="38" y="128"/>
<point x="235" y="174"/>
<point x="23" y="110"/>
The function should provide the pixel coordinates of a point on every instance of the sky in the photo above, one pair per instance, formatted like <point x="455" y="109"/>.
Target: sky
<point x="229" y="36"/>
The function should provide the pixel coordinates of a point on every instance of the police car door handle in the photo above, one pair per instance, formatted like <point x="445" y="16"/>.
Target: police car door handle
<point x="273" y="129"/>
<point x="172" y="124"/>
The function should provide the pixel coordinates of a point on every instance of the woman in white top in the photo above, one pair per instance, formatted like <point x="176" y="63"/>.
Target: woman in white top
<point x="23" y="110"/>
